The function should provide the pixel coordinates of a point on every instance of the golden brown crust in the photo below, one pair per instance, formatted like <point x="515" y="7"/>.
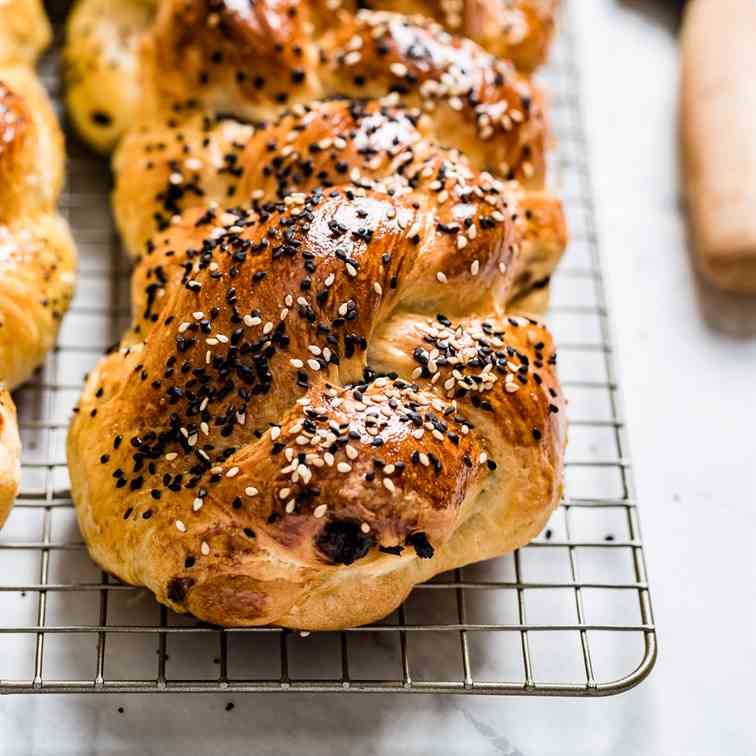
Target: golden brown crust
<point x="24" y="31"/>
<point x="479" y="104"/>
<point x="253" y="62"/>
<point x="516" y="30"/>
<point x="100" y="67"/>
<point x="37" y="256"/>
<point x="161" y="171"/>
<point x="269" y="465"/>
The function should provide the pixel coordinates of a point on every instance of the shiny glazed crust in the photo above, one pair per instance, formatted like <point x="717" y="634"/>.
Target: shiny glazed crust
<point x="162" y="170"/>
<point x="127" y="60"/>
<point x="517" y="30"/>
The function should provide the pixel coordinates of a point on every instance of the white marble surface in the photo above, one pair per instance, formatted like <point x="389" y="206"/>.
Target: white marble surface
<point x="689" y="374"/>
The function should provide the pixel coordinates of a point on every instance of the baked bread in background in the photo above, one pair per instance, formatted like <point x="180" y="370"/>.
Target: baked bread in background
<point x="24" y="31"/>
<point x="10" y="455"/>
<point x="102" y="70"/>
<point x="328" y="393"/>
<point x="37" y="256"/>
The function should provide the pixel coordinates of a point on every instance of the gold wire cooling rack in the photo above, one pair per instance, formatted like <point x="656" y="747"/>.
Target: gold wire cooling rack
<point x="569" y="614"/>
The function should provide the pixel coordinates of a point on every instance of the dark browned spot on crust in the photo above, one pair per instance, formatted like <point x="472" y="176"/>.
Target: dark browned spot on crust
<point x="419" y="541"/>
<point x="343" y="542"/>
<point x="178" y="587"/>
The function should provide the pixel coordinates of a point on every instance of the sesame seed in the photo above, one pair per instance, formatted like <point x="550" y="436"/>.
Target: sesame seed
<point x="233" y="472"/>
<point x="205" y="548"/>
<point x="275" y="432"/>
<point x="197" y="504"/>
<point x="267" y="328"/>
<point x="388" y="484"/>
<point x="351" y="452"/>
<point x="343" y="467"/>
<point x="296" y="363"/>
<point x="180" y="526"/>
<point x="171" y="456"/>
<point x="283" y="493"/>
<point x="250" y="491"/>
<point x="365" y="528"/>
<point x="320" y="510"/>
<point x="313" y="364"/>
<point x="377" y="288"/>
<point x="441" y="277"/>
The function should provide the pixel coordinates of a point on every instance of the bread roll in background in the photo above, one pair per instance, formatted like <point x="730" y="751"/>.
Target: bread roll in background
<point x="718" y="128"/>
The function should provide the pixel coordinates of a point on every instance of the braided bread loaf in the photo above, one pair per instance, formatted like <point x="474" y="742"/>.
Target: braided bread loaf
<point x="325" y="396"/>
<point x="37" y="256"/>
<point x="105" y="91"/>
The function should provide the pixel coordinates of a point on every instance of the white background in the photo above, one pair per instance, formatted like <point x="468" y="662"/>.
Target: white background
<point x="688" y="366"/>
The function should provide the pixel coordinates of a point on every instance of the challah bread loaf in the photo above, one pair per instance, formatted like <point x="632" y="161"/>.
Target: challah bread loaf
<point x="37" y="257"/>
<point x="324" y="396"/>
<point x="321" y="402"/>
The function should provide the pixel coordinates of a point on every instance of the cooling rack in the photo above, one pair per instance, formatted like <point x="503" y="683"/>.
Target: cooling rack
<point x="569" y="614"/>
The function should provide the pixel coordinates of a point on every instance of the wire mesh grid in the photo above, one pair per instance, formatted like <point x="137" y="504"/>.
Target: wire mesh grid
<point x="569" y="614"/>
